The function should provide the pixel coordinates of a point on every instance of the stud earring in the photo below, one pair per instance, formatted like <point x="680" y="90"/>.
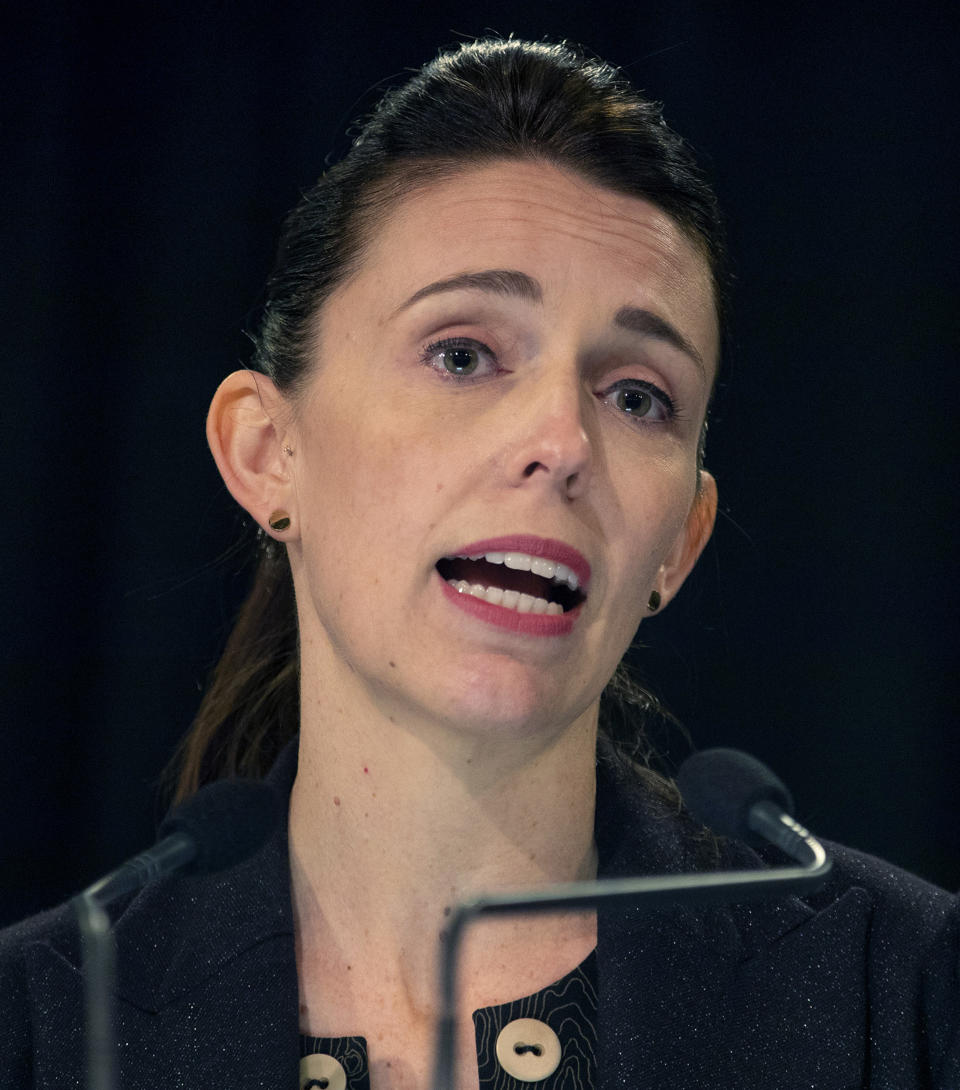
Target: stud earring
<point x="653" y="602"/>
<point x="279" y="521"/>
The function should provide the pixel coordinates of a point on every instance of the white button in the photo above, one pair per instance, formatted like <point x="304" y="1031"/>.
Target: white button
<point x="528" y="1050"/>
<point x="318" y="1071"/>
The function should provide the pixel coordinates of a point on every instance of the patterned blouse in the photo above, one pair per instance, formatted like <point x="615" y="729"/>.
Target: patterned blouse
<point x="545" y="1041"/>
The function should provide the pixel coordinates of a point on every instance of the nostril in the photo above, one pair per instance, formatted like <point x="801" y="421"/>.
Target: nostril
<point x="532" y="468"/>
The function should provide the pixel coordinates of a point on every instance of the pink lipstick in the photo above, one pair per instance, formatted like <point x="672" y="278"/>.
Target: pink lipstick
<point x="522" y="583"/>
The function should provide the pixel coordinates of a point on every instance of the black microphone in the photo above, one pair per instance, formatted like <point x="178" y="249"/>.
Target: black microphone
<point x="731" y="792"/>
<point x="738" y="796"/>
<point x="218" y="827"/>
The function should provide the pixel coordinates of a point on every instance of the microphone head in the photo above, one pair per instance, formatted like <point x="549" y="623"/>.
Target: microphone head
<point x="229" y="820"/>
<point x="719" y="786"/>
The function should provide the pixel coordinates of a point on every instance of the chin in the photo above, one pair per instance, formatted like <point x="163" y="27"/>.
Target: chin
<point x="510" y="701"/>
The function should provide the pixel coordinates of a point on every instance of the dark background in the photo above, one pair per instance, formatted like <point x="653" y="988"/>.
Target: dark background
<point x="147" y="163"/>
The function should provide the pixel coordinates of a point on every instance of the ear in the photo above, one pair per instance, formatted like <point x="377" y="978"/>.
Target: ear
<point x="245" y="430"/>
<point x="691" y="540"/>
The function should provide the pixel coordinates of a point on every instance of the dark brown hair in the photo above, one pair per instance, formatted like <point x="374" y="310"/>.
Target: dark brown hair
<point x="486" y="101"/>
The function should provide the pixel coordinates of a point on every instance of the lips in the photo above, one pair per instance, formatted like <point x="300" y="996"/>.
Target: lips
<point x="541" y="547"/>
<point x="521" y="582"/>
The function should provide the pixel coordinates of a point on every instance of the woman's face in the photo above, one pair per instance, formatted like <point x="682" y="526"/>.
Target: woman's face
<point x="518" y="373"/>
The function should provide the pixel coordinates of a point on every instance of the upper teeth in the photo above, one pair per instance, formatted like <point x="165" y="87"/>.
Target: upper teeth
<point x="539" y="565"/>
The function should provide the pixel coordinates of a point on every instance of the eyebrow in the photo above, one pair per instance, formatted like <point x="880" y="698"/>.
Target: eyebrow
<point x="648" y="324"/>
<point x="519" y="285"/>
<point x="509" y="282"/>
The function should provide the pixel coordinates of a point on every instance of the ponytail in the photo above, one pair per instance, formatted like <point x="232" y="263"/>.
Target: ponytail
<point x="252" y="706"/>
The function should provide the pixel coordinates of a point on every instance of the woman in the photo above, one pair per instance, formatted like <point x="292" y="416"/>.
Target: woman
<point x="473" y="439"/>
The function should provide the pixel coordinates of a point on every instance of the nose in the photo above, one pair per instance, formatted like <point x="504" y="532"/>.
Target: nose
<point x="552" y="445"/>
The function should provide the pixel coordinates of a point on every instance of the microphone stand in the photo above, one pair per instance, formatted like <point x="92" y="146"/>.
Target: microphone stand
<point x="218" y="827"/>
<point x="99" y="968"/>
<point x="100" y="953"/>
<point x="765" y="818"/>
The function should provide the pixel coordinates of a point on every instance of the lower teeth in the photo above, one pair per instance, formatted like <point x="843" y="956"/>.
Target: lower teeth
<point x="510" y="599"/>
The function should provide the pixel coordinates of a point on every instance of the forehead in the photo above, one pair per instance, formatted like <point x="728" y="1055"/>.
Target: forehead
<point x="578" y="239"/>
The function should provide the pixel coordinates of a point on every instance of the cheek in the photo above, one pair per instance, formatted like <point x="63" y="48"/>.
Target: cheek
<point x="655" y="503"/>
<point x="361" y="469"/>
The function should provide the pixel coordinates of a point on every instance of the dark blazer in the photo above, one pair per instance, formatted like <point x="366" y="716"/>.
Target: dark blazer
<point x="854" y="987"/>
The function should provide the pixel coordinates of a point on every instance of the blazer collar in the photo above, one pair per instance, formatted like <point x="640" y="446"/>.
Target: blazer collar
<point x="180" y="932"/>
<point x="683" y="989"/>
<point x="640" y="833"/>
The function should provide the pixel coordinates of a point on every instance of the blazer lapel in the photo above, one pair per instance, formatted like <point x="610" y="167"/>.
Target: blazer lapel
<point x="754" y="995"/>
<point x="207" y="985"/>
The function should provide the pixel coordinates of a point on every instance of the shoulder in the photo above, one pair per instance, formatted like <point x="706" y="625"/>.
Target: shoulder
<point x="909" y="929"/>
<point x="52" y="922"/>
<point x="911" y="965"/>
<point x="872" y="958"/>
<point x="898" y="893"/>
<point x="891" y="943"/>
<point x="643" y="826"/>
<point x="914" y="925"/>
<point x="186" y="949"/>
<point x="909" y="921"/>
<point x="56" y="928"/>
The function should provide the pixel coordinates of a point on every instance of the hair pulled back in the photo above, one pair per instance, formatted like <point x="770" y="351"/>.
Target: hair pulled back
<point x="485" y="101"/>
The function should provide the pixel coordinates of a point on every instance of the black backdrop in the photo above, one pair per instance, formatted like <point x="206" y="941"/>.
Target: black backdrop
<point x="148" y="161"/>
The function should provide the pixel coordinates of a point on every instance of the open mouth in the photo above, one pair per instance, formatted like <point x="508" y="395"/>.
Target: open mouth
<point x="514" y="580"/>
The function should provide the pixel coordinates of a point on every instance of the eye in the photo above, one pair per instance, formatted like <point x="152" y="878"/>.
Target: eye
<point x="460" y="357"/>
<point x="642" y="401"/>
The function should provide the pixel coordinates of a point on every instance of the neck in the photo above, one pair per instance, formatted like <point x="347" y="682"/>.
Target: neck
<point x="392" y="823"/>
